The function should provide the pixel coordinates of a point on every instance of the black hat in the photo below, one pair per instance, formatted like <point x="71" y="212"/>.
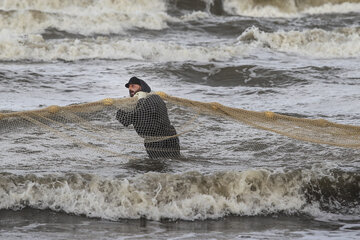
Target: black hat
<point x="133" y="80"/>
<point x="142" y="83"/>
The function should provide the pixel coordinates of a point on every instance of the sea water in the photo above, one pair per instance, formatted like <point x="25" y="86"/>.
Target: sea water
<point x="293" y="57"/>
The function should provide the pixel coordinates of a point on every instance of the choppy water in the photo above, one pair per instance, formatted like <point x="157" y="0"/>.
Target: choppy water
<point x="294" y="57"/>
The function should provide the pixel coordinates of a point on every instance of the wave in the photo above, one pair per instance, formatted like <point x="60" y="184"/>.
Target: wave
<point x="32" y="21"/>
<point x="83" y="17"/>
<point x="317" y="43"/>
<point x="34" y="47"/>
<point x="187" y="196"/>
<point x="289" y="8"/>
<point x="88" y="17"/>
<point x="220" y="75"/>
<point x="339" y="43"/>
<point x="67" y="30"/>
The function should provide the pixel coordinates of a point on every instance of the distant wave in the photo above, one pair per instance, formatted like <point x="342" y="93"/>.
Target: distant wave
<point x="83" y="17"/>
<point x="74" y="30"/>
<point x="187" y="196"/>
<point x="288" y="8"/>
<point x="339" y="43"/>
<point x="116" y="17"/>
<point x="33" y="21"/>
<point x="317" y="43"/>
<point x="34" y="47"/>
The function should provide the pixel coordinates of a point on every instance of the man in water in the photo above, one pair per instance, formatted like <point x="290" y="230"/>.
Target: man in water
<point x="151" y="121"/>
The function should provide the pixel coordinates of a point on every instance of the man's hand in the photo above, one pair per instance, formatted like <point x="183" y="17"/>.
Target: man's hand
<point x="140" y="95"/>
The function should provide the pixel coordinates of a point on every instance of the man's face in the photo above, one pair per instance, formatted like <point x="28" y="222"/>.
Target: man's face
<point x="133" y="89"/>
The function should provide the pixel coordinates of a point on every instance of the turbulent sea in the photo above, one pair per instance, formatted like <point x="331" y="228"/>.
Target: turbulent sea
<point x="296" y="57"/>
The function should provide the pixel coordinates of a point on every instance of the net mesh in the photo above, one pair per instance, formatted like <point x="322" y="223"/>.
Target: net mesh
<point x="157" y="124"/>
<point x="312" y="130"/>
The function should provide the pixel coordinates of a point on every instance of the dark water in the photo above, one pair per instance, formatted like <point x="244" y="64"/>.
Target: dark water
<point x="298" y="58"/>
<point x="48" y="224"/>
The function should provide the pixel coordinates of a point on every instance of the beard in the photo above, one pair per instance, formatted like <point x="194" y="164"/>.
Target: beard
<point x="132" y="93"/>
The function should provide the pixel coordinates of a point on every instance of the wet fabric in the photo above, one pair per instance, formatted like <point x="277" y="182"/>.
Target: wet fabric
<point x="150" y="119"/>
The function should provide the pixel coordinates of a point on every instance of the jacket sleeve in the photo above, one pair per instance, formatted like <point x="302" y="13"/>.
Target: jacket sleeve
<point x="144" y="109"/>
<point x="124" y="117"/>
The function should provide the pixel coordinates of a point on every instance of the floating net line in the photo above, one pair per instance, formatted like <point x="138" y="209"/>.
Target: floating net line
<point x="311" y="130"/>
<point x="146" y="123"/>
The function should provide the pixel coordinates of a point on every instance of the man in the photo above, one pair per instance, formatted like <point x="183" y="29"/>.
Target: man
<point x="151" y="121"/>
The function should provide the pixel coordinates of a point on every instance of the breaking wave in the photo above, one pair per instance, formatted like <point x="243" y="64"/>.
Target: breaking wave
<point x="289" y="8"/>
<point x="50" y="30"/>
<point x="34" y="47"/>
<point x="318" y="43"/>
<point x="340" y="43"/>
<point x="82" y="17"/>
<point x="187" y="196"/>
<point x="87" y="17"/>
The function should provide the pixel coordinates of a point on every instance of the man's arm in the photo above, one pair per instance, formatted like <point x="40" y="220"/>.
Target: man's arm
<point x="144" y="108"/>
<point x="124" y="117"/>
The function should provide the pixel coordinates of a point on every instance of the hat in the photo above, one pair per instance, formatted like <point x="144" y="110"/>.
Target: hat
<point x="133" y="80"/>
<point x="138" y="81"/>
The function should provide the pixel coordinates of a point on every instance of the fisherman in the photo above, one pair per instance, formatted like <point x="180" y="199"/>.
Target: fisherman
<point x="151" y="121"/>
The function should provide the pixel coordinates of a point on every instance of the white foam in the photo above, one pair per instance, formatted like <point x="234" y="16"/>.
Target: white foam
<point x="345" y="7"/>
<point x="195" y="16"/>
<point x="288" y="8"/>
<point x="83" y="17"/>
<point x="249" y="8"/>
<point x="88" y="17"/>
<point x="340" y="43"/>
<point x="34" y="47"/>
<point x="186" y="196"/>
<point x="84" y="7"/>
<point x="314" y="43"/>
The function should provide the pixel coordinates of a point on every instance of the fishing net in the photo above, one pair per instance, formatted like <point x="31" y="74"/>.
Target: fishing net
<point x="156" y="125"/>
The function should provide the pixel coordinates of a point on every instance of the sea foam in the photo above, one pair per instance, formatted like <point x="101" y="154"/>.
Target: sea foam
<point x="187" y="196"/>
<point x="83" y="17"/>
<point x="34" y="47"/>
<point x="314" y="43"/>
<point x="318" y="43"/>
<point x="288" y="8"/>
